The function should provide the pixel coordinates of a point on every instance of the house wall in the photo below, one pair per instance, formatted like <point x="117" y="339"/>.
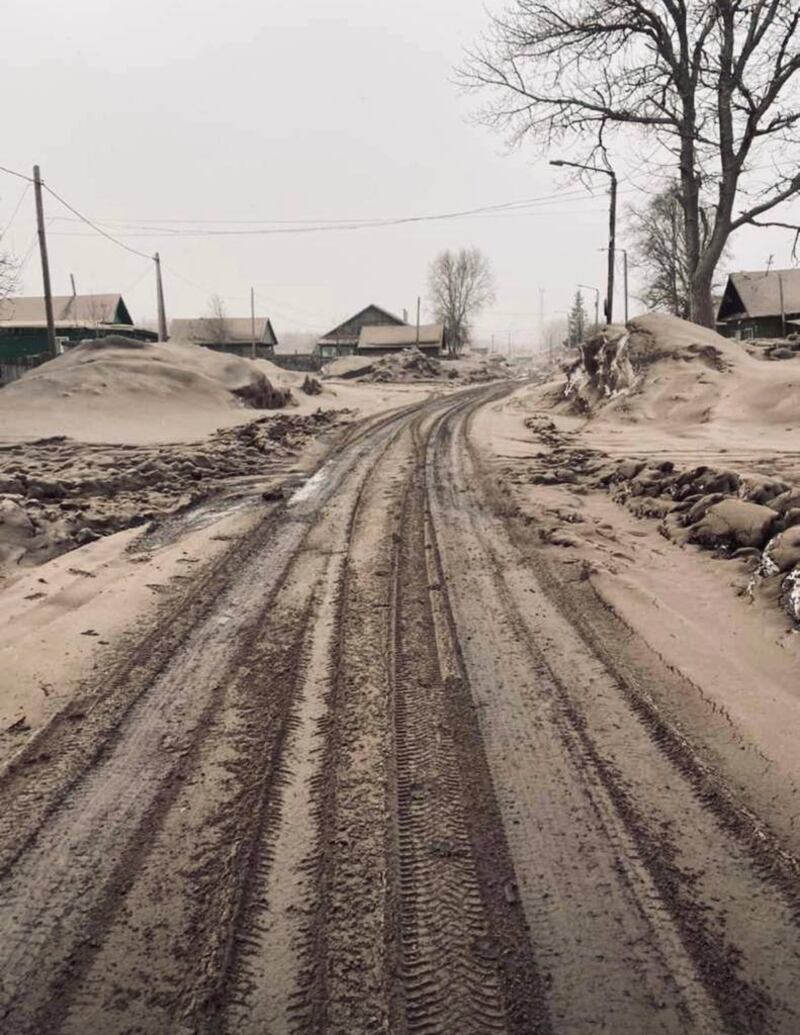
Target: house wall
<point x="757" y="327"/>
<point x="14" y="370"/>
<point x="21" y="343"/>
<point x="334" y="351"/>
<point x="241" y="349"/>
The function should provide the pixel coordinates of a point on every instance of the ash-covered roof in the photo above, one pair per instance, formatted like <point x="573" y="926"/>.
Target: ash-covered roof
<point x="80" y="310"/>
<point x="229" y="330"/>
<point x="349" y="330"/>
<point x="758" y="293"/>
<point x="384" y="337"/>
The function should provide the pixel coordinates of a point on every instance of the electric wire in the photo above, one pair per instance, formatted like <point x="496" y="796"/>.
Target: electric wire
<point x="12" y="172"/>
<point x="84" y="219"/>
<point x="22" y="197"/>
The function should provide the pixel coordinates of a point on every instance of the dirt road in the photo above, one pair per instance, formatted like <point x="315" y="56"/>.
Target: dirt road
<point x="382" y="772"/>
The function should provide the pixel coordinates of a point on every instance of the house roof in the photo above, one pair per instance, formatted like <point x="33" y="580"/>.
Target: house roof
<point x="758" y="293"/>
<point x="384" y="337"/>
<point x="80" y="310"/>
<point x="238" y="330"/>
<point x="344" y="330"/>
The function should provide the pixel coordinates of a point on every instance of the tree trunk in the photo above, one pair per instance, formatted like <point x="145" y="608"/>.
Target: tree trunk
<point x="702" y="305"/>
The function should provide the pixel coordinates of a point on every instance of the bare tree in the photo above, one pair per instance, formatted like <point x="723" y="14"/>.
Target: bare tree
<point x="660" y="252"/>
<point x="9" y="275"/>
<point x="460" y="284"/>
<point x="216" y="323"/>
<point x="714" y="83"/>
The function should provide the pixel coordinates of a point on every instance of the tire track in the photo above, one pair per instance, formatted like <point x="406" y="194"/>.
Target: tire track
<point x="450" y="979"/>
<point x="101" y="817"/>
<point x="731" y="958"/>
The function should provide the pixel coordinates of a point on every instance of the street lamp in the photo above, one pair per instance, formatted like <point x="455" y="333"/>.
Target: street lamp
<point x="609" y="305"/>
<point x="588" y="287"/>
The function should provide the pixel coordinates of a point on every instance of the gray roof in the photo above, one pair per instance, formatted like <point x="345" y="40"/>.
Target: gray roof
<point x="236" y="330"/>
<point x="79" y="310"/>
<point x="348" y="330"/>
<point x="760" y="291"/>
<point x="385" y="337"/>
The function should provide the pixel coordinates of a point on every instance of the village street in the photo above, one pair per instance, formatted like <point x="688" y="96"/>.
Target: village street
<point x="329" y="794"/>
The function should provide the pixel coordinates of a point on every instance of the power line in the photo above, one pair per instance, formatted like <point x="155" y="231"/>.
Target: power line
<point x="94" y="226"/>
<point x="22" y="197"/>
<point x="12" y="172"/>
<point x="282" y="227"/>
<point x="376" y="221"/>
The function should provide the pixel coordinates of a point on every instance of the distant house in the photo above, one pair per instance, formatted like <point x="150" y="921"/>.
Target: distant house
<point x="23" y="324"/>
<point x="380" y="340"/>
<point x="297" y="350"/>
<point x="343" y="340"/>
<point x="764" y="304"/>
<point x="232" y="334"/>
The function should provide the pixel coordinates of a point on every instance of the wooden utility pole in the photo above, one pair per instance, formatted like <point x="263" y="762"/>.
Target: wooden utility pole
<point x="72" y="281"/>
<point x="418" y="304"/>
<point x="162" y="314"/>
<point x="48" y="294"/>
<point x="612" y="245"/>
<point x="783" y="306"/>
<point x="253" y="319"/>
<point x="625" y="260"/>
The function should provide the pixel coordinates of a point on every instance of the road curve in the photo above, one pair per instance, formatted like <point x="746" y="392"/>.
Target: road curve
<point x="379" y="771"/>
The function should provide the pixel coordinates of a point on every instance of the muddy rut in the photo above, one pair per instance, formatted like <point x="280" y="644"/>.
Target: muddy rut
<point x="377" y="773"/>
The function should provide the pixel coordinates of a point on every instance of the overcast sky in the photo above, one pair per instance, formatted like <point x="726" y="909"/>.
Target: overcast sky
<point x="159" y="111"/>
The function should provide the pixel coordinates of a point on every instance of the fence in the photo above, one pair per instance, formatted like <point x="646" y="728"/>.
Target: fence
<point x="298" y="361"/>
<point x="13" y="370"/>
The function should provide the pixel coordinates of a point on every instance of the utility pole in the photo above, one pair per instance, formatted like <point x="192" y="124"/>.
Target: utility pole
<point x="418" y="305"/>
<point x="162" y="315"/>
<point x="612" y="219"/>
<point x="253" y="319"/>
<point x="612" y="247"/>
<point x="72" y="281"/>
<point x="625" y="259"/>
<point x="783" y="306"/>
<point x="48" y="294"/>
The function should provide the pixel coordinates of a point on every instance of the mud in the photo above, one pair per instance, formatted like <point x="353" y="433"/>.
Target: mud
<point x="381" y="768"/>
<point x="57" y="494"/>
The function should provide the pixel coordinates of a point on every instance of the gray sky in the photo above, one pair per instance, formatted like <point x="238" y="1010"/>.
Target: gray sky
<point x="169" y="110"/>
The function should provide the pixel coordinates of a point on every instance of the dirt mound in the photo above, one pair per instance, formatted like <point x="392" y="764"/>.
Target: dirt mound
<point x="408" y="365"/>
<point x="667" y="371"/>
<point x="116" y="389"/>
<point x="414" y="365"/>
<point x="349" y="367"/>
<point x="636" y="360"/>
<point x="734" y="514"/>
<point x="56" y="495"/>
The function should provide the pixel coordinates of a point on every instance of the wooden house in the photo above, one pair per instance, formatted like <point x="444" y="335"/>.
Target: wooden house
<point x="231" y="334"/>
<point x="376" y="341"/>
<point x="343" y="340"/>
<point x="762" y="304"/>
<point x="23" y="324"/>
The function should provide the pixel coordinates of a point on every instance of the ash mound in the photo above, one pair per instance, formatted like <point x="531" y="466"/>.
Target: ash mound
<point x="414" y="365"/>
<point x="653" y="356"/>
<point x="116" y="389"/>
<point x="669" y="371"/>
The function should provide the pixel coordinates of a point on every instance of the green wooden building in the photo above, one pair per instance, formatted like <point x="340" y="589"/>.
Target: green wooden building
<point x="23" y="325"/>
